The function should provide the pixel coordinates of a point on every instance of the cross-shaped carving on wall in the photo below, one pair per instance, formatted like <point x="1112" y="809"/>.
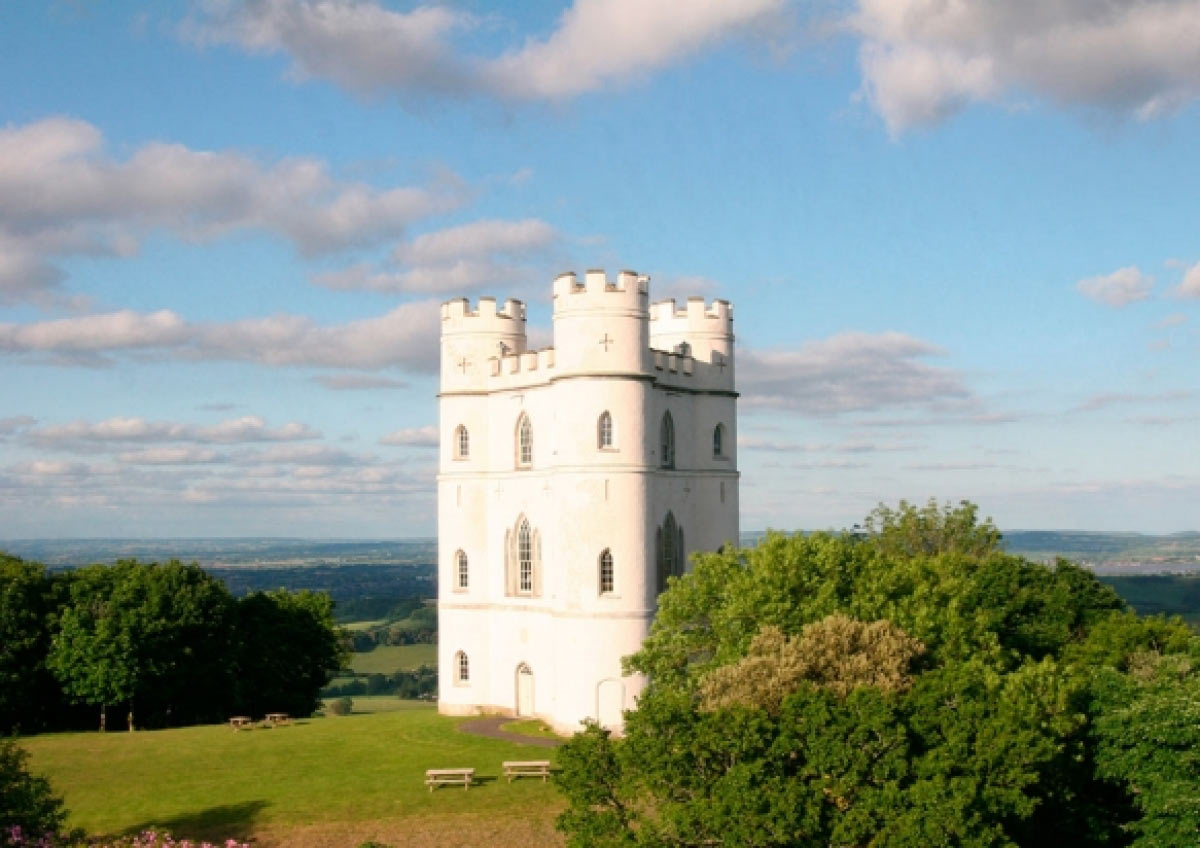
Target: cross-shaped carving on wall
<point x="606" y="341"/>
<point x="464" y="364"/>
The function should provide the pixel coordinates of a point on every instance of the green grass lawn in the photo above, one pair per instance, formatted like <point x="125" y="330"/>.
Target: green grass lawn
<point x="320" y="782"/>
<point x="388" y="659"/>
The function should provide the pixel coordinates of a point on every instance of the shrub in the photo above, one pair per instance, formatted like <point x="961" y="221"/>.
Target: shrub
<point x="26" y="802"/>
<point x="340" y="706"/>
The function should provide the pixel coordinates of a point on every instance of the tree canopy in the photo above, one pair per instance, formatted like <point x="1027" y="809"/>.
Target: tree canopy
<point x="911" y="685"/>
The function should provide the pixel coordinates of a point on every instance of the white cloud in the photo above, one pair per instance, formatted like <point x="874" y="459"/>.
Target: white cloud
<point x="367" y="48"/>
<point x="1190" y="285"/>
<point x="1108" y="399"/>
<point x="407" y="336"/>
<point x="923" y="60"/>
<point x="249" y="428"/>
<point x="1176" y="319"/>
<point x="849" y="372"/>
<point x="1120" y="288"/>
<point x="14" y="424"/>
<point x="455" y="260"/>
<point x="169" y="456"/>
<point x="62" y="194"/>
<point x="422" y="437"/>
<point x="600" y="42"/>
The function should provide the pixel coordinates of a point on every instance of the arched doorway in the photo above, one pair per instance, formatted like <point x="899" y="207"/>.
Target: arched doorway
<point x="524" y="690"/>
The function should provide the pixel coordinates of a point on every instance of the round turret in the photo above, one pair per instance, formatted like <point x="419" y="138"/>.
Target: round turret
<point x="470" y="338"/>
<point x="600" y="326"/>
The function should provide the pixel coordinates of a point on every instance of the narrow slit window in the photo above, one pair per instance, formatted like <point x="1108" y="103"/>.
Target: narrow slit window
<point x="462" y="668"/>
<point x="719" y="440"/>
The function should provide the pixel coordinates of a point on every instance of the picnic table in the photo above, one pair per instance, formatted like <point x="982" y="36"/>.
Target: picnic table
<point x="241" y="722"/>
<point x="449" y="777"/>
<point x="526" y="768"/>
<point x="275" y="719"/>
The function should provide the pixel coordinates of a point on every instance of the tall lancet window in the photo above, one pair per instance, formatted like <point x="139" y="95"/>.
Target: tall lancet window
<point x="604" y="430"/>
<point x="462" y="668"/>
<point x="462" y="443"/>
<point x="524" y="442"/>
<point x="666" y="439"/>
<point x="524" y="559"/>
<point x="669" y="554"/>
<point x="719" y="441"/>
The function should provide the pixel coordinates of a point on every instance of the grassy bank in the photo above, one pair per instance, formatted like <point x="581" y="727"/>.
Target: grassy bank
<point x="321" y="782"/>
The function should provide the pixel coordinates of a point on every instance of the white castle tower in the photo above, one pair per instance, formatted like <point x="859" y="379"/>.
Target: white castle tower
<point x="573" y="481"/>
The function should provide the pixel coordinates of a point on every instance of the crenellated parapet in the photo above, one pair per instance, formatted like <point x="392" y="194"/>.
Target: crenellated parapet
<point x="470" y="337"/>
<point x="629" y="292"/>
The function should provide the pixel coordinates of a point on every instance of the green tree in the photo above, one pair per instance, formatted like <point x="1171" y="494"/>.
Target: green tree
<point x="909" y="687"/>
<point x="288" y="649"/>
<point x="28" y="691"/>
<point x="146" y="636"/>
<point x="26" y="800"/>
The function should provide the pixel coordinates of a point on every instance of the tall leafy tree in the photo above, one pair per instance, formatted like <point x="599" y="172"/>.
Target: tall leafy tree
<point x="28" y="692"/>
<point x="288" y="648"/>
<point x="909" y="686"/>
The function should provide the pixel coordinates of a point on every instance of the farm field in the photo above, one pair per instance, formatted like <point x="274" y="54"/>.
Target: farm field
<point x="335" y="781"/>
<point x="388" y="659"/>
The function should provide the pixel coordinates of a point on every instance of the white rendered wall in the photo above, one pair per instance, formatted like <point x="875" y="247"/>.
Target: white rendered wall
<point x="581" y="498"/>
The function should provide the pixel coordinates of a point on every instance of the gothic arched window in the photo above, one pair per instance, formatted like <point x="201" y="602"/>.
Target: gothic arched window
<point x="666" y="439"/>
<point x="462" y="572"/>
<point x="462" y="442"/>
<point x="606" y="572"/>
<point x="462" y="668"/>
<point x="524" y="442"/>
<point x="669" y="554"/>
<point x="604" y="430"/>
<point x="524" y="559"/>
<point x="719" y="440"/>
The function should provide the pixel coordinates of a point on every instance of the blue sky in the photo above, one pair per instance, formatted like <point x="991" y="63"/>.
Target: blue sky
<point x="961" y="241"/>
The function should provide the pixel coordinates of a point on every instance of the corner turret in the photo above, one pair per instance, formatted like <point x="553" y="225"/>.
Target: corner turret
<point x="600" y="326"/>
<point x="472" y="337"/>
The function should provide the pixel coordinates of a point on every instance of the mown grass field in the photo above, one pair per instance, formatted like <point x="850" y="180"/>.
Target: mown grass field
<point x="334" y="781"/>
<point x="388" y="659"/>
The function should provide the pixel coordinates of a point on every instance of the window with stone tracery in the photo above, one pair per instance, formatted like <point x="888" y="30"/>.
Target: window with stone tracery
<point x="462" y="668"/>
<point x="462" y="572"/>
<point x="462" y="443"/>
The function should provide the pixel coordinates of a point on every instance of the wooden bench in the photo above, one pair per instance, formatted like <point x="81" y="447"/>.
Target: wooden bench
<point x="527" y="768"/>
<point x="276" y="719"/>
<point x="241" y="722"/>
<point x="449" y="777"/>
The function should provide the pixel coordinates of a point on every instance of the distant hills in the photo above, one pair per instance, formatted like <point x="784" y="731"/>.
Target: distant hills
<point x="1107" y="553"/>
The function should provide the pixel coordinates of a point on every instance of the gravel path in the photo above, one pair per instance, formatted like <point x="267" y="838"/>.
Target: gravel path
<point x="489" y="726"/>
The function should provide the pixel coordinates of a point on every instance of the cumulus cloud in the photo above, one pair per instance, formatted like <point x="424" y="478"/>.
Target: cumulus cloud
<point x="1109" y="399"/>
<point x="407" y="336"/>
<point x="923" y="60"/>
<point x="369" y="49"/>
<point x="62" y="194"/>
<point x="849" y="372"/>
<point x="1120" y="288"/>
<point x="249" y="428"/>
<point x="454" y="260"/>
<point x="1190" y="285"/>
<point x="600" y="42"/>
<point x="14" y="424"/>
<point x="421" y="437"/>
<point x="183" y="455"/>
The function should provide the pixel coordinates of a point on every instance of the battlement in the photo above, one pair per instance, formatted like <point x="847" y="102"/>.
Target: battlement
<point x="695" y="317"/>
<point x="522" y="363"/>
<point x="509" y="318"/>
<point x="631" y="290"/>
